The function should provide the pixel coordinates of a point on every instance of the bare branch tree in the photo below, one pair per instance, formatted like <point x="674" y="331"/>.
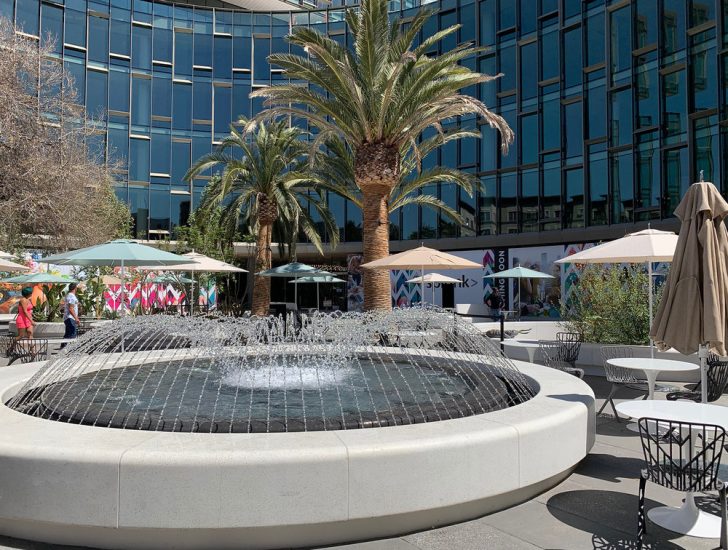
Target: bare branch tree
<point x="53" y="185"/>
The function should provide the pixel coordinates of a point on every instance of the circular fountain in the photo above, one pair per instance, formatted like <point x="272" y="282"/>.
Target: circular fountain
<point x="247" y="432"/>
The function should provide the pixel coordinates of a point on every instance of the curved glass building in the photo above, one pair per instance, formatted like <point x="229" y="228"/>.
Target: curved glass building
<point x="617" y="105"/>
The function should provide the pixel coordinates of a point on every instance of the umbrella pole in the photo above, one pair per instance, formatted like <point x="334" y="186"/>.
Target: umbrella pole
<point x="123" y="302"/>
<point x="422" y="290"/>
<point x="703" y="354"/>
<point x="649" y="274"/>
<point x="318" y="297"/>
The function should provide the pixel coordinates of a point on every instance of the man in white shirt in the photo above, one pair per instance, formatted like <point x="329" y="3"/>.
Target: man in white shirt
<point x="70" y="312"/>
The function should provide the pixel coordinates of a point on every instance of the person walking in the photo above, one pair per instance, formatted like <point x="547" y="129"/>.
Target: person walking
<point x="70" y="313"/>
<point x="495" y="302"/>
<point x="24" y="321"/>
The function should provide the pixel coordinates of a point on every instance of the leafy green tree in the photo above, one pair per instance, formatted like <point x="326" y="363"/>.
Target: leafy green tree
<point x="379" y="97"/>
<point x="265" y="179"/>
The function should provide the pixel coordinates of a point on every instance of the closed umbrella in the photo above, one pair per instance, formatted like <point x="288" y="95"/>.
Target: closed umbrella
<point x="646" y="246"/>
<point x="693" y="310"/>
<point x="519" y="272"/>
<point x="420" y="258"/>
<point x="434" y="278"/>
<point x="318" y="279"/>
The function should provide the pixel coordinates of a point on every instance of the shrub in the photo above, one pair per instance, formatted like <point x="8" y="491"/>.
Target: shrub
<point x="610" y="305"/>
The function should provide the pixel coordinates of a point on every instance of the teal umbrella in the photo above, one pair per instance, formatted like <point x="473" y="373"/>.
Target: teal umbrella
<point x="316" y="279"/>
<point x="518" y="272"/>
<point x="293" y="269"/>
<point x="168" y="278"/>
<point x="39" y="278"/>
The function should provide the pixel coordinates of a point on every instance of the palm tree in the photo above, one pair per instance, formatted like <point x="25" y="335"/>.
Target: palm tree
<point x="335" y="170"/>
<point x="378" y="97"/>
<point x="265" y="180"/>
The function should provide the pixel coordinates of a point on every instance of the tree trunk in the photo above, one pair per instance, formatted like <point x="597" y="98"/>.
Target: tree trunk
<point x="376" y="169"/>
<point x="267" y="214"/>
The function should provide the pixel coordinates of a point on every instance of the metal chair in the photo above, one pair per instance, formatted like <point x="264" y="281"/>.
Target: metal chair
<point x="684" y="457"/>
<point x="570" y="346"/>
<point x="552" y="352"/>
<point x="618" y="376"/>
<point x="7" y="342"/>
<point x="28" y="350"/>
<point x="717" y="381"/>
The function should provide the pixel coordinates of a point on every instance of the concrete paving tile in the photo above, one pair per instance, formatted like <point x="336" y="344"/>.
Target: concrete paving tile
<point x="467" y="536"/>
<point x="385" y="544"/>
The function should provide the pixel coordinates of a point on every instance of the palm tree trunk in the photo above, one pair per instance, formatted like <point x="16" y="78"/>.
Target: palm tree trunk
<point x="375" y="236"/>
<point x="263" y="261"/>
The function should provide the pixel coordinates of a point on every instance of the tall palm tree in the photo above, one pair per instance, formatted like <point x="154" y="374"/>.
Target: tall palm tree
<point x="379" y="96"/>
<point x="265" y="180"/>
<point x="335" y="170"/>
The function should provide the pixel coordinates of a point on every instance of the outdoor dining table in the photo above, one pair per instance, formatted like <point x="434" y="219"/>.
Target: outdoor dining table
<point x="652" y="367"/>
<point x="688" y="519"/>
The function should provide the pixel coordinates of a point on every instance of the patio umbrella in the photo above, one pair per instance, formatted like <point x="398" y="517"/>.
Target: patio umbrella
<point x="201" y="263"/>
<point x="5" y="255"/>
<point x="7" y="265"/>
<point x="38" y="279"/>
<point x="693" y="310"/>
<point x="647" y="246"/>
<point x="519" y="272"/>
<point x="318" y="279"/>
<point x="120" y="252"/>
<point x="421" y="257"/>
<point x="293" y="269"/>
<point x="434" y="278"/>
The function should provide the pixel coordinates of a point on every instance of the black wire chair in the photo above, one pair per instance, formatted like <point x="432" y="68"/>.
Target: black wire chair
<point x="717" y="381"/>
<point x="552" y="354"/>
<point x="28" y="350"/>
<point x="682" y="456"/>
<point x="570" y="347"/>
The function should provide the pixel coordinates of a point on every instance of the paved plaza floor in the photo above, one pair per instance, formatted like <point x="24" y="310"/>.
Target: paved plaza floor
<point x="595" y="508"/>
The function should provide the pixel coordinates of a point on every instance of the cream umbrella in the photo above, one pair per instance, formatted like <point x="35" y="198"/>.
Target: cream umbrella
<point x="5" y="255"/>
<point x="434" y="278"/>
<point x="7" y="265"/>
<point x="694" y="308"/>
<point x="647" y="246"/>
<point x="421" y="257"/>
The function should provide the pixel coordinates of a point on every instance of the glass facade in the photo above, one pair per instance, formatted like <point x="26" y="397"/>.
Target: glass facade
<point x="617" y="105"/>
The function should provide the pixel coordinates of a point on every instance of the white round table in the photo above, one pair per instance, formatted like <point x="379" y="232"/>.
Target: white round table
<point x="531" y="347"/>
<point x="652" y="368"/>
<point x="688" y="519"/>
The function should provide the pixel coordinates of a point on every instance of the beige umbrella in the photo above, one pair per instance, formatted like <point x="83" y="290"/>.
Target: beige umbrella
<point x="7" y="265"/>
<point x="646" y="246"/>
<point x="5" y="255"/>
<point x="434" y="278"/>
<point x="420" y="258"/>
<point x="693" y="311"/>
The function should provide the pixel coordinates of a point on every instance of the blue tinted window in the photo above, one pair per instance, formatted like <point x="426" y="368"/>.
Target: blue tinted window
<point x="620" y="44"/>
<point x="487" y="22"/>
<point x="551" y="123"/>
<point x="572" y="7"/>
<point x="551" y="198"/>
<point x="159" y="210"/>
<point x="141" y="48"/>
<point x="595" y="39"/>
<point x="182" y="54"/>
<point x="6" y="8"/>
<point x="647" y="91"/>
<point x="180" y="162"/>
<point x="648" y="180"/>
<point x="673" y="26"/>
<point x="507" y="65"/>
<point x="707" y="148"/>
<point x="529" y="17"/>
<point x="223" y="115"/>
<point x="138" y="159"/>
<point x="96" y="100"/>
<point x="98" y="39"/>
<point x="529" y="139"/>
<point x="701" y="11"/>
<point x="242" y="46"/>
<point x="507" y="14"/>
<point x="161" y="97"/>
<point x="450" y="41"/>
<point x="180" y="210"/>
<point x="139" y="207"/>
<point x="550" y="54"/>
<point x="52" y="26"/>
<point x="26" y="16"/>
<point x="597" y="106"/>
<point x="574" y="200"/>
<point x="141" y="101"/>
<point x="488" y="90"/>
<point x="646" y="23"/>
<point x="77" y="71"/>
<point x="261" y="68"/>
<point x="241" y="101"/>
<point x="120" y="37"/>
<point x="676" y="178"/>
<point x="621" y="117"/>
<point x="119" y="91"/>
<point x="203" y="49"/>
<point x="622" y="188"/>
<point x="161" y="152"/>
<point x="510" y="159"/>
<point x="598" y="189"/>
<point x="223" y="66"/>
<point x="572" y="57"/>
<point x="703" y="74"/>
<point x="163" y="45"/>
<point x="529" y="70"/>
<point x="182" y="107"/>
<point x="529" y="203"/>
<point x="675" y="104"/>
<point x="119" y="146"/>
<point x="202" y="95"/>
<point x="573" y="137"/>
<point x="75" y="27"/>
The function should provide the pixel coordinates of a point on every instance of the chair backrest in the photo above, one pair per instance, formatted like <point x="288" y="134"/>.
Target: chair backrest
<point x="717" y="377"/>
<point x="618" y="374"/>
<point x="29" y="350"/>
<point x="6" y="344"/>
<point x="551" y="354"/>
<point x="681" y="455"/>
<point x="570" y="345"/>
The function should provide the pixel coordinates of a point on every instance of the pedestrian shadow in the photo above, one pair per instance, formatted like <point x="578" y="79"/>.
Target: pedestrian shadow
<point x="614" y="469"/>
<point x="611" y="518"/>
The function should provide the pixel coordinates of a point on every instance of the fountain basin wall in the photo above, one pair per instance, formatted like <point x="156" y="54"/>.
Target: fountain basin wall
<point x="111" y="488"/>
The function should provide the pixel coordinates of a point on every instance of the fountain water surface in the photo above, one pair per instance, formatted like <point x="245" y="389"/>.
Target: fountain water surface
<point x="223" y="375"/>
